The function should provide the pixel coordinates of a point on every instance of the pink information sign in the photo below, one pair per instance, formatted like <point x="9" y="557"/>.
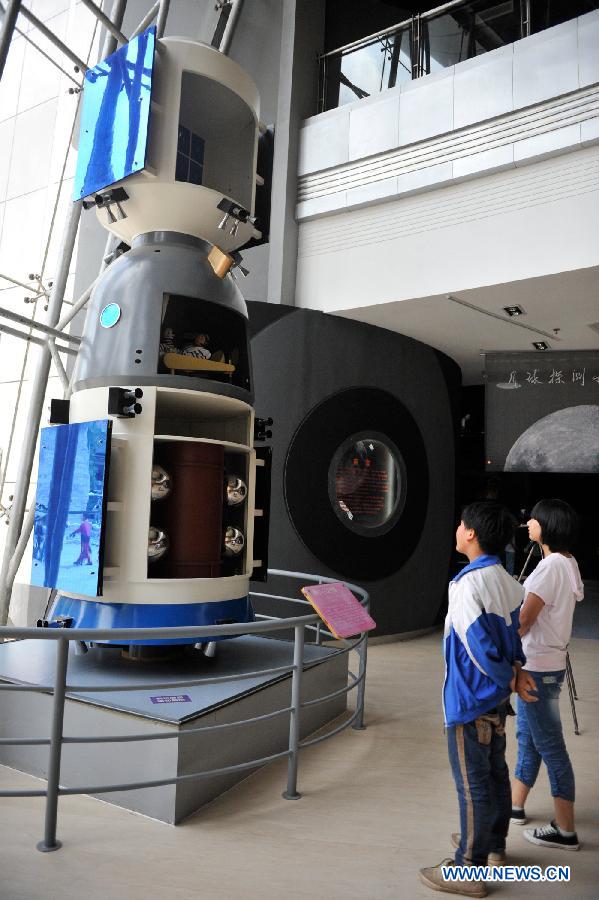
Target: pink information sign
<point x="337" y="606"/>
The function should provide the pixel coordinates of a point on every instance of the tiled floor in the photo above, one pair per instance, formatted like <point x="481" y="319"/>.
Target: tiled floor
<point x="376" y="806"/>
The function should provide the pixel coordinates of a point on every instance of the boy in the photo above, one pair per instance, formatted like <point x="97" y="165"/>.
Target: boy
<point x="482" y="653"/>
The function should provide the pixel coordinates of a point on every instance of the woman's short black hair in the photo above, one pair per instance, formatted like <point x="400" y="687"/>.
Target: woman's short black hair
<point x="559" y="524"/>
<point x="492" y="523"/>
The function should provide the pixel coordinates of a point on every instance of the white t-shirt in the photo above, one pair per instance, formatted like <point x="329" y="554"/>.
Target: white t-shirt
<point x="556" y="580"/>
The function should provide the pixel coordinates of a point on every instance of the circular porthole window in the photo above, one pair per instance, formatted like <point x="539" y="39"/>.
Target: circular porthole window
<point x="367" y="481"/>
<point x="110" y="315"/>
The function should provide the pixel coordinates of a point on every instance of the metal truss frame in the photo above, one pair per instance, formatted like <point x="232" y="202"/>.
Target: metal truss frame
<point x="21" y="521"/>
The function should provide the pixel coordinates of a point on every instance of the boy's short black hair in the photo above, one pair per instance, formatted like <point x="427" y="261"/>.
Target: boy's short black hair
<point x="492" y="523"/>
<point x="559" y="524"/>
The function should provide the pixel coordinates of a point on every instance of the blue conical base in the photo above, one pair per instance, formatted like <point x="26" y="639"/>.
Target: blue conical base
<point x="93" y="614"/>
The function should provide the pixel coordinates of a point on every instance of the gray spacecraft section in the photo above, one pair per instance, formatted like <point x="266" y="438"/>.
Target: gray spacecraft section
<point x="159" y="264"/>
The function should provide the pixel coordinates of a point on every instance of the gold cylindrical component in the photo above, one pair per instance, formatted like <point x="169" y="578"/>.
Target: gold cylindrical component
<point x="221" y="262"/>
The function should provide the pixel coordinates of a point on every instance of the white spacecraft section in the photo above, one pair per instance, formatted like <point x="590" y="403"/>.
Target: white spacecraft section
<point x="214" y="419"/>
<point x="197" y="87"/>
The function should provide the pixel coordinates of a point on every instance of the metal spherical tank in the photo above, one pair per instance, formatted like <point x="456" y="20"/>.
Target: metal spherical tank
<point x="161" y="483"/>
<point x="236" y="490"/>
<point x="158" y="544"/>
<point x="234" y="541"/>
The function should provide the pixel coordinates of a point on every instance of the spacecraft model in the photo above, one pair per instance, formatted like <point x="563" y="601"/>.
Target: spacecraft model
<point x="152" y="501"/>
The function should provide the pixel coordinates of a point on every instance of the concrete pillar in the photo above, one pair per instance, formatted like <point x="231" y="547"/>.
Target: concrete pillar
<point x="302" y="38"/>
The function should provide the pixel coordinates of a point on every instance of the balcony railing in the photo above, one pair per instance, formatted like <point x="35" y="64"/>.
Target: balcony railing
<point x="432" y="41"/>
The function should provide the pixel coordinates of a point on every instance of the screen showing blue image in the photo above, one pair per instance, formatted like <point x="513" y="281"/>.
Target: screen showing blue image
<point x="115" y="116"/>
<point x="70" y="504"/>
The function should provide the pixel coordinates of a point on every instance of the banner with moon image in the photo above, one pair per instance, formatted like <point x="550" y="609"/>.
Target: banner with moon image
<point x="542" y="411"/>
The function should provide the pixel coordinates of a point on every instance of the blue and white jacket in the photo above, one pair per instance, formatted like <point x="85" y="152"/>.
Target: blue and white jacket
<point x="481" y="640"/>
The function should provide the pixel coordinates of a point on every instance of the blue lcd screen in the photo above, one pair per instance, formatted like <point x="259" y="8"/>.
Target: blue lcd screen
<point x="70" y="503"/>
<point x="113" y="136"/>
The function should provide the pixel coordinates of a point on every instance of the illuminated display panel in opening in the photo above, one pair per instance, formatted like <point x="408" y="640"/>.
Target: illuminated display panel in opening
<point x="367" y="483"/>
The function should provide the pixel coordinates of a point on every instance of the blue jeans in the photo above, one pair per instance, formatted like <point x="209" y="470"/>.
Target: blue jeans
<point x="540" y="737"/>
<point x="482" y="779"/>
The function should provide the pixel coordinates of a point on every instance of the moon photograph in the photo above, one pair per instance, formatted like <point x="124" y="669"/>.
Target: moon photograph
<point x="564" y="441"/>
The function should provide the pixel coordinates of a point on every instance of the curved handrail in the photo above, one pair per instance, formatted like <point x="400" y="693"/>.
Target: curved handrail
<point x="179" y="631"/>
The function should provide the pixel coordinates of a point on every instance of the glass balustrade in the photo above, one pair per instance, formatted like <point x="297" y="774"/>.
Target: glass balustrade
<point x="434" y="40"/>
<point x="366" y="70"/>
<point x="469" y="30"/>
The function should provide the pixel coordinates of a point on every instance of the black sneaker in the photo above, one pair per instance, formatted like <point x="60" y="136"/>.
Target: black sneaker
<point x="549" y="836"/>
<point x="518" y="817"/>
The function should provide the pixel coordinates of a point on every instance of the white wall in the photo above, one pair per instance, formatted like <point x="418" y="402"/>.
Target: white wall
<point x="524" y="223"/>
<point x="480" y="174"/>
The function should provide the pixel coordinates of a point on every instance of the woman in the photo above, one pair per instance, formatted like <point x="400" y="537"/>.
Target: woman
<point x="550" y="595"/>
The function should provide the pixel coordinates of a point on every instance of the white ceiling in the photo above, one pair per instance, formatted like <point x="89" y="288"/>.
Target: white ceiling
<point x="568" y="301"/>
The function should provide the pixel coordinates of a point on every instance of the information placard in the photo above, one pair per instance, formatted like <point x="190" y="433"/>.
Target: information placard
<point x="343" y="615"/>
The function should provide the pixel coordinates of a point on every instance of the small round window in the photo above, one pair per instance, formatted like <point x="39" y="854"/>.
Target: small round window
<point x="367" y="483"/>
<point x="110" y="315"/>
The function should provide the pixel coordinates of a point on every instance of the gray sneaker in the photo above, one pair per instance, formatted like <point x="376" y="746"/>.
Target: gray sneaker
<point x="495" y="857"/>
<point x="432" y="877"/>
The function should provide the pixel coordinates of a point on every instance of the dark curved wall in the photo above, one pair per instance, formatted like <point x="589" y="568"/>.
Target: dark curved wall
<point x="322" y="378"/>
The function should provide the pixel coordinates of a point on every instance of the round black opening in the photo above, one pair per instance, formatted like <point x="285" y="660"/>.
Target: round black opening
<point x="388" y="506"/>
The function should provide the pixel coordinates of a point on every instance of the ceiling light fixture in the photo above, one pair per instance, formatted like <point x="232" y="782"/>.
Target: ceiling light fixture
<point x="499" y="315"/>
<point x="514" y="311"/>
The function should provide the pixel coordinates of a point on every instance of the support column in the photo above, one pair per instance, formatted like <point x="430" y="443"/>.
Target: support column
<point x="8" y="26"/>
<point x="302" y="38"/>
